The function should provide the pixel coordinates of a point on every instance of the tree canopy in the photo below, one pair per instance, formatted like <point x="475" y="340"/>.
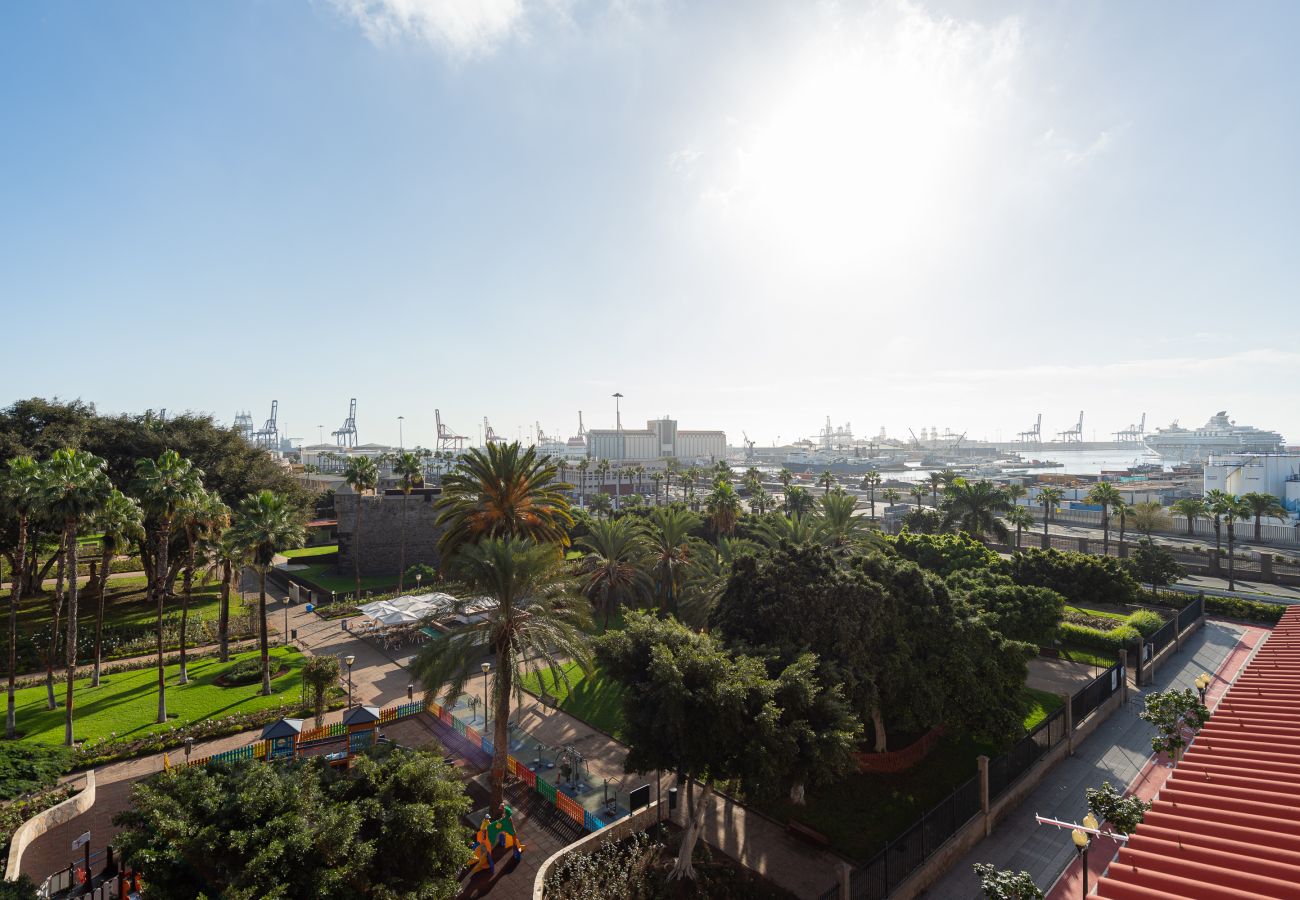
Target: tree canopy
<point x="1082" y="579"/>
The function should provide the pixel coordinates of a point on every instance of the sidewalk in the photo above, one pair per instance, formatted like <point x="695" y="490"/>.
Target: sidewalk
<point x="1118" y="751"/>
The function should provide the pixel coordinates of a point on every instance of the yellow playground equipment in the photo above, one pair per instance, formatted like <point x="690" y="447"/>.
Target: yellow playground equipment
<point x="494" y="833"/>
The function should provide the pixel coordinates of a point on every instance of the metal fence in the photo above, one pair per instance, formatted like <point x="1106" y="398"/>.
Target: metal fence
<point x="1164" y="637"/>
<point x="1190" y="613"/>
<point x="904" y="854"/>
<point x="1095" y="694"/>
<point x="1007" y="768"/>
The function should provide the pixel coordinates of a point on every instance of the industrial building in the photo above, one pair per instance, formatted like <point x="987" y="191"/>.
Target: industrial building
<point x="1266" y="473"/>
<point x="661" y="439"/>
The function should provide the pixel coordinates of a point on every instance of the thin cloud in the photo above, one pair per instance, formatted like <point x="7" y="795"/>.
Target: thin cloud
<point x="461" y="28"/>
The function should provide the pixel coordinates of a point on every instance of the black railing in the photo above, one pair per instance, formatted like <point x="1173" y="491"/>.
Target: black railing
<point x="1005" y="769"/>
<point x="1164" y="637"/>
<point x="1095" y="694"/>
<point x="1190" y="613"/>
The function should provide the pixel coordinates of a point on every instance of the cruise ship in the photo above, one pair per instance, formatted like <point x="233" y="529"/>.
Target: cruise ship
<point x="1217" y="436"/>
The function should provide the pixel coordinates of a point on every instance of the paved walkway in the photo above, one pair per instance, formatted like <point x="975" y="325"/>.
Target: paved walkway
<point x="1118" y="751"/>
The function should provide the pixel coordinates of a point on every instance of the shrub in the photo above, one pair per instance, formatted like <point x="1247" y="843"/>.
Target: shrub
<point x="617" y="871"/>
<point x="945" y="553"/>
<point x="1249" y="610"/>
<point x="1082" y="579"/>
<point x="246" y="671"/>
<point x="1145" y="621"/>
<point x="26" y="767"/>
<point x="1109" y="805"/>
<point x="1115" y="640"/>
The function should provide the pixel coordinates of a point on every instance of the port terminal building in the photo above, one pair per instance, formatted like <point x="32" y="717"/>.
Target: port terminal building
<point x="1266" y="473"/>
<point x="661" y="439"/>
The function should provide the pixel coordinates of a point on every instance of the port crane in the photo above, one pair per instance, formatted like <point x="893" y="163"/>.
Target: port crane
<point x="1033" y="435"/>
<point x="1075" y="434"/>
<point x="749" y="447"/>
<point x="448" y="439"/>
<point x="489" y="435"/>
<point x="268" y="435"/>
<point x="346" y="436"/>
<point x="1134" y="432"/>
<point x="244" y="425"/>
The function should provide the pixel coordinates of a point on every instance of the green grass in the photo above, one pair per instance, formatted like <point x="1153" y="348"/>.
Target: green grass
<point x="322" y="550"/>
<point x="326" y="576"/>
<point x="1088" y="657"/>
<point x="595" y="698"/>
<point x="1042" y="704"/>
<point x="1119" y="617"/>
<point x="126" y="603"/>
<point x="127" y="702"/>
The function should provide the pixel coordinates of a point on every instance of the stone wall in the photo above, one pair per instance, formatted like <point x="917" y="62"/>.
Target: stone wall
<point x="381" y="531"/>
<point x="36" y="826"/>
<point x="616" y="831"/>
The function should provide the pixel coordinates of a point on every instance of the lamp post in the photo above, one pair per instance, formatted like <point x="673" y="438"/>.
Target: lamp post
<point x="419" y="576"/>
<point x="1202" y="683"/>
<point x="401" y="444"/>
<point x="349" y="660"/>
<point x="1081" y="843"/>
<point x="486" y="667"/>
<point x="189" y="748"/>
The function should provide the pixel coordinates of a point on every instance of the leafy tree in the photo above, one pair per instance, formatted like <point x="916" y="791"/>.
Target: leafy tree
<point x="20" y="499"/>
<point x="120" y="523"/>
<point x="707" y="573"/>
<point x="1174" y="713"/>
<point x="1262" y="505"/>
<point x="944" y="554"/>
<point x="1190" y="508"/>
<point x="1005" y="884"/>
<point x="28" y="766"/>
<point x="973" y="507"/>
<point x="264" y="526"/>
<point x="387" y="827"/>
<point x="536" y="624"/>
<point x="918" y="493"/>
<point x="694" y="709"/>
<point x="20" y="888"/>
<point x="1048" y="498"/>
<point x="1029" y="614"/>
<point x="1021" y="518"/>
<point x="923" y="521"/>
<point x="1124" y="813"/>
<point x="1154" y="564"/>
<point x="319" y="673"/>
<point x="361" y="474"/>
<point x="601" y="504"/>
<point x="410" y="474"/>
<point x="777" y="528"/>
<point x="1081" y="578"/>
<point x="1107" y="496"/>
<point x="614" y="566"/>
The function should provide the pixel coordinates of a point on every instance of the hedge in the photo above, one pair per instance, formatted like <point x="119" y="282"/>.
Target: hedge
<point x="1145" y="621"/>
<point x="1227" y="607"/>
<point x="1115" y="640"/>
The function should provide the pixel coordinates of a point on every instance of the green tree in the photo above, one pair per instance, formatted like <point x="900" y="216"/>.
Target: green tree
<point x="827" y="481"/>
<point x="389" y="826"/>
<point x="918" y="493"/>
<point x="1124" y="813"/>
<point x="777" y="528"/>
<point x="707" y="573"/>
<point x="614" y="566"/>
<point x="20" y="499"/>
<point x="1190" y="508"/>
<point x="75" y="488"/>
<point x="1232" y="508"/>
<point x="694" y="709"/>
<point x="320" y="673"/>
<point x="1216" y="501"/>
<point x="1107" y="496"/>
<point x="724" y="507"/>
<point x="504" y="491"/>
<point x="657" y="478"/>
<point x="936" y="480"/>
<point x="1048" y="498"/>
<point x="1147" y="516"/>
<point x="1261" y="506"/>
<point x="601" y="504"/>
<point x="669" y="532"/>
<point x="974" y="507"/>
<point x="1174" y="713"/>
<point x="361" y="474"/>
<point x="1014" y="492"/>
<point x="870" y="482"/>
<point x="1021" y="518"/>
<point x="945" y="554"/>
<point x="410" y="475"/>
<point x="226" y="558"/>
<point x="1005" y="884"/>
<point x="798" y="501"/>
<point x="164" y="487"/>
<point x="200" y="518"/>
<point x="1082" y="579"/>
<point x="891" y="496"/>
<point x="536" y="623"/>
<point x="785" y="476"/>
<point x="1155" y="565"/>
<point x="1030" y="614"/>
<point x="583" y="465"/>
<point x="838" y="524"/>
<point x="265" y="525"/>
<point x="120" y="523"/>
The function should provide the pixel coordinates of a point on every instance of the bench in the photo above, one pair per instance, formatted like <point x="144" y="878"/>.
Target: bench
<point x="811" y="835"/>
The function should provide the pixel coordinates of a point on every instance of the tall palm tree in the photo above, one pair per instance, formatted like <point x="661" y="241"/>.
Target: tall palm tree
<point x="120" y="523"/>
<point x="1121" y="513"/>
<point x="639" y="471"/>
<point x="602" y="472"/>
<point x="75" y="489"/>
<point x="839" y="526"/>
<point x="1233" y="509"/>
<point x="1190" y="508"/>
<point x="949" y="476"/>
<point x="1147" y="516"/>
<point x="536" y="624"/>
<point x="706" y="578"/>
<point x="20" y="499"/>
<point x="1021" y="518"/>
<point x="724" y="507"/>
<point x="614" y="566"/>
<point x="1014" y="492"/>
<point x="827" y="481"/>
<point x="201" y="517"/>
<point x="936" y="483"/>
<point x="583" y="465"/>
<point x="1216" y="501"/>
<point x="164" y="486"/>
<point x="892" y="496"/>
<point x="361" y="474"/>
<point x="226" y="558"/>
<point x="601" y="504"/>
<point x="785" y="476"/>
<point x="505" y="490"/>
<point x="1262" y="505"/>
<point x="669" y="533"/>
<point x="870" y="482"/>
<point x="761" y="501"/>
<point x="409" y="477"/>
<point x="797" y="528"/>
<point x="799" y="501"/>
<point x="918" y="493"/>
<point x="657" y="478"/>
<point x="973" y="507"/>
<point x="266" y="524"/>
<point x="1048" y="497"/>
<point x="670" y="469"/>
<point x="753" y="474"/>
<point x="688" y="478"/>
<point x="1107" y="496"/>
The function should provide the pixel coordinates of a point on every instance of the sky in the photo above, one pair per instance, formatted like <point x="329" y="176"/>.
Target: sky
<point x="747" y="216"/>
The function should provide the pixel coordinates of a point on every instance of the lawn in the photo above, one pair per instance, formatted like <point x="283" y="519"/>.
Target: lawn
<point x="127" y="702"/>
<point x="1120" y="617"/>
<point x="1042" y="705"/>
<point x="127" y="603"/>
<point x="322" y="550"/>
<point x="1087" y="656"/>
<point x="594" y="698"/>
<point x="327" y="577"/>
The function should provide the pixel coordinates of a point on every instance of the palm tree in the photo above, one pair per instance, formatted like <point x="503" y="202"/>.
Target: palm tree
<point x="839" y="526"/>
<point x="639" y="472"/>
<point x="583" y="465"/>
<point x="669" y="533"/>
<point x="1014" y="492"/>
<point x="1147" y="516"/>
<point x="1105" y="495"/>
<point x="1216" y="501"/>
<point x="602" y="504"/>
<point x="164" y="487"/>
<point x="536" y="624"/>
<point x="918" y="493"/>
<point x="753" y="474"/>
<point x="505" y="490"/>
<point x="892" y="496"/>
<point x="361" y="474"/>
<point x="687" y="478"/>
<point x="75" y="488"/>
<point x="799" y="501"/>
<point x="670" y="469"/>
<point x="1261" y="505"/>
<point x="1121" y="512"/>
<point x="798" y="528"/>
<point x="266" y="524"/>
<point x="1021" y="518"/>
<point x="657" y="478"/>
<point x="614" y="566"/>
<point x="1189" y="508"/>
<point x="202" y="516"/>
<point x="226" y="559"/>
<point x="827" y="481"/>
<point x="870" y="482"/>
<point x="936" y="482"/>
<point x="20" y="499"/>
<point x="409" y="476"/>
<point x="761" y="501"/>
<point x="724" y="507"/>
<point x="1048" y="497"/>
<point x="602" y="472"/>
<point x="706" y="578"/>
<point x="1234" y="508"/>
<point x="973" y="507"/>
<point x="785" y="476"/>
<point x="121" y="523"/>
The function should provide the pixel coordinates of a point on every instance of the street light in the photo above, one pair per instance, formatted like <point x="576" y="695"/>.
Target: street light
<point x="349" y="660"/>
<point x="486" y="667"/>
<point x="401" y="444"/>
<point x="1081" y="842"/>
<point x="1202" y="683"/>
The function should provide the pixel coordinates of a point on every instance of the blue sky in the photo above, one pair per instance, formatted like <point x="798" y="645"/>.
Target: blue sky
<point x="746" y="215"/>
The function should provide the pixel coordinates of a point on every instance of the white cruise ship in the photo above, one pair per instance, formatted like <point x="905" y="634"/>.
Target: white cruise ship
<point x="1217" y="436"/>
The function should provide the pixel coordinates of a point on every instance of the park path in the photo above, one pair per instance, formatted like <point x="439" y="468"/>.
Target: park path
<point x="1119" y="751"/>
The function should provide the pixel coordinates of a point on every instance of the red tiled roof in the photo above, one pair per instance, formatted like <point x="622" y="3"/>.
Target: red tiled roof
<point x="1226" y="825"/>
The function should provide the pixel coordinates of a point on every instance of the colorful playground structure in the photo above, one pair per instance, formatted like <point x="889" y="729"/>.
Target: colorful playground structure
<point x="494" y="833"/>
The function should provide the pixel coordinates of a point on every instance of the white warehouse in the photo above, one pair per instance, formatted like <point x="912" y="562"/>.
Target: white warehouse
<point x="661" y="439"/>
<point x="1267" y="473"/>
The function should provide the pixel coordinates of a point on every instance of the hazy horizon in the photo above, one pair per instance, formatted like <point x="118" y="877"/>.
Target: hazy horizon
<point x="748" y="217"/>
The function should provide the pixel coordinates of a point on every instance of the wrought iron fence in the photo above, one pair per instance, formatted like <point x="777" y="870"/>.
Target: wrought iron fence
<point x="1164" y="637"/>
<point x="1190" y="613"/>
<point x="1005" y="769"/>
<point x="1095" y="694"/>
